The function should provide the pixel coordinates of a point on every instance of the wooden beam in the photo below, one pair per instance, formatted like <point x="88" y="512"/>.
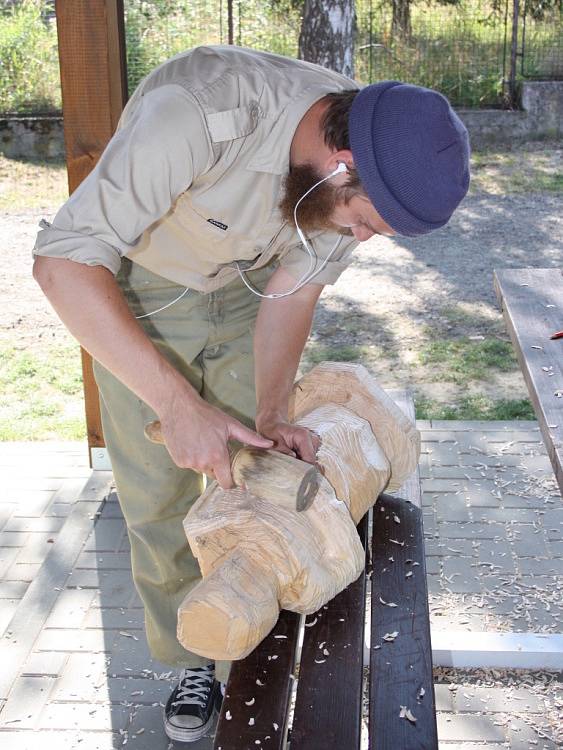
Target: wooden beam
<point x="532" y="305"/>
<point x="94" y="91"/>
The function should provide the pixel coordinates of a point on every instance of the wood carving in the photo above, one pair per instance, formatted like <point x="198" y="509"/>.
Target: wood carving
<point x="258" y="556"/>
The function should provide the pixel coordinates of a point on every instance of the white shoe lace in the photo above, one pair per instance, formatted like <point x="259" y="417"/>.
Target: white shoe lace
<point x="194" y="686"/>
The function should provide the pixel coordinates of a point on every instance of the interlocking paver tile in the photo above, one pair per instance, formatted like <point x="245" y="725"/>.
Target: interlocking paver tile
<point x="7" y="557"/>
<point x="459" y="576"/>
<point x="539" y="567"/>
<point x="533" y="544"/>
<point x="62" y="740"/>
<point x="57" y="639"/>
<point x="83" y="716"/>
<point x="37" y="548"/>
<point x="114" y="618"/>
<point x="22" y="571"/>
<point x="453" y="508"/>
<point x="497" y="700"/>
<point x="7" y="610"/>
<point x="13" y="539"/>
<point x="104" y="560"/>
<point x="49" y="663"/>
<point x="83" y="679"/>
<point x="520" y="733"/>
<point x="461" y="727"/>
<point x="472" y="530"/>
<point x="70" y="608"/>
<point x="26" y="700"/>
<point x="50" y="524"/>
<point x="106" y="536"/>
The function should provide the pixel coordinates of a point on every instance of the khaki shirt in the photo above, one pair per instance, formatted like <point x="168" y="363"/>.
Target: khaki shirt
<point x="191" y="181"/>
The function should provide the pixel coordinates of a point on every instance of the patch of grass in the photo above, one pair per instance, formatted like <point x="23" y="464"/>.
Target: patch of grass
<point x="41" y="394"/>
<point x="315" y="354"/>
<point x="531" y="170"/>
<point x="475" y="407"/>
<point x="462" y="360"/>
<point x="25" y="185"/>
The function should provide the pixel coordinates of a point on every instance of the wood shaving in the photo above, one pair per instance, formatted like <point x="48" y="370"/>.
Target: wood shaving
<point x="395" y="541"/>
<point x="390" y="637"/>
<point x="228" y="715"/>
<point x="396" y="519"/>
<point x="251" y="721"/>
<point x="406" y="713"/>
<point x="310" y="624"/>
<point x="251" y="702"/>
<point x="128" y="635"/>
<point x="387" y="604"/>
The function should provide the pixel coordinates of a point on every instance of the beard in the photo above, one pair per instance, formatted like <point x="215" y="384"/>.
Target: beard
<point x="315" y="211"/>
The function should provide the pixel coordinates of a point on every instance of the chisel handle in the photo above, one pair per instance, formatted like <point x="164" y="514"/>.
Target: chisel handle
<point x="273" y="476"/>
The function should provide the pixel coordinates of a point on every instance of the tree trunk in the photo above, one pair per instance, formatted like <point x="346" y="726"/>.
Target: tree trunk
<point x="401" y="25"/>
<point x="327" y="34"/>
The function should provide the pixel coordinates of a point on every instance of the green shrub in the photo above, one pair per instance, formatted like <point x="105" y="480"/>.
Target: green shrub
<point x="29" y="72"/>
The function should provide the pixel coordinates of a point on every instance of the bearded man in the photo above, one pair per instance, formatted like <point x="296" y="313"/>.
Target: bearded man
<point x="182" y="265"/>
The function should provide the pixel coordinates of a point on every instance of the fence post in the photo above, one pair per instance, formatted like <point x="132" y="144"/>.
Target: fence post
<point x="514" y="53"/>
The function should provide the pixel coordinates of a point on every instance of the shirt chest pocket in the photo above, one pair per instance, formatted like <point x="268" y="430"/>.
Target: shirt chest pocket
<point x="218" y="236"/>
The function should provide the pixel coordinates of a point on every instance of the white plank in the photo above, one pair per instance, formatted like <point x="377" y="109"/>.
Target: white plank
<point x="501" y="650"/>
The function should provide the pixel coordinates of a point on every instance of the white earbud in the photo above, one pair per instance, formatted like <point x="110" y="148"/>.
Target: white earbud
<point x="339" y="169"/>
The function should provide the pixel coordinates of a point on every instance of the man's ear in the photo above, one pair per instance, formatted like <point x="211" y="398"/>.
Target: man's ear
<point x="342" y="156"/>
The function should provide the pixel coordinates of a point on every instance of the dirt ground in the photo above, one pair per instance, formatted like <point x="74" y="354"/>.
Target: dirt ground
<point x="398" y="294"/>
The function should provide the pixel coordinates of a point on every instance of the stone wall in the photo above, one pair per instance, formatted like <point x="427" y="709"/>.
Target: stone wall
<point x="541" y="116"/>
<point x="32" y="137"/>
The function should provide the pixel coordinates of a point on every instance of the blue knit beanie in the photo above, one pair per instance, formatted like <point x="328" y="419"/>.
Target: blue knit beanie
<point x="411" y="151"/>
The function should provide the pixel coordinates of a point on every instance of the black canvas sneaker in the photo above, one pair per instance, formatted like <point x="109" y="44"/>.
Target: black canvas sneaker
<point x="189" y="712"/>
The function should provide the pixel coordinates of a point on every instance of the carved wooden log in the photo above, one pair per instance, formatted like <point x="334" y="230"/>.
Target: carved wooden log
<point x="257" y="557"/>
<point x="352" y="386"/>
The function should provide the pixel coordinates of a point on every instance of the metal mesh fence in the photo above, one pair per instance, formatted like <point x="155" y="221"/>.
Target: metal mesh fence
<point x="459" y="47"/>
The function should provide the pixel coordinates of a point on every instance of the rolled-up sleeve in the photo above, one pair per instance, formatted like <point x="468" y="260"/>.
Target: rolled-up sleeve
<point x="297" y="262"/>
<point x="161" y="146"/>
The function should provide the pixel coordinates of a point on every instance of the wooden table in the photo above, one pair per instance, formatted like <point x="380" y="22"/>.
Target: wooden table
<point x="532" y="305"/>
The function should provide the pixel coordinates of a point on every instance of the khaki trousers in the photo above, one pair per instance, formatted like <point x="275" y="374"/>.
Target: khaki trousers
<point x="208" y="338"/>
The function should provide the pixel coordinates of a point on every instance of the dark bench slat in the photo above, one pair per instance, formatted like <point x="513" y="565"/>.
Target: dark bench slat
<point x="400" y="668"/>
<point x="532" y="305"/>
<point x="271" y="701"/>
<point x="328" y="706"/>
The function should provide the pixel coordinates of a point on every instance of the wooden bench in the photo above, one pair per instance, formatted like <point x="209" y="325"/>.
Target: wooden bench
<point x="532" y="305"/>
<point x="325" y="699"/>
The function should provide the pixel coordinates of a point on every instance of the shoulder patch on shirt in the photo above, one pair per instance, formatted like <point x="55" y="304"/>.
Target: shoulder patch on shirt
<point x="218" y="224"/>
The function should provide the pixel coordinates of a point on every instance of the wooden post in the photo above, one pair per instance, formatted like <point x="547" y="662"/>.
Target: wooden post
<point x="94" y="91"/>
<point x="514" y="53"/>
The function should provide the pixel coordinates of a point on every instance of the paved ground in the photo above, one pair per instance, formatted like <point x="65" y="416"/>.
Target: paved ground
<point x="74" y="659"/>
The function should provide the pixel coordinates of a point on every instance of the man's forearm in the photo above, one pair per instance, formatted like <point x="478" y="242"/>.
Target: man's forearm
<point x="90" y="303"/>
<point x="282" y="329"/>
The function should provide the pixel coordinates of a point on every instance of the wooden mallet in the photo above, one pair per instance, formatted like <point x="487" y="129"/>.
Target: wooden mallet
<point x="275" y="477"/>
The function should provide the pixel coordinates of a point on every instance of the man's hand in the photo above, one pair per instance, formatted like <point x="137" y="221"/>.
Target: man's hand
<point x="196" y="436"/>
<point x="289" y="438"/>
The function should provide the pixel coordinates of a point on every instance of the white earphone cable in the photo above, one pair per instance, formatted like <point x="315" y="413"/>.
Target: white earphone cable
<point x="311" y="273"/>
<point x="160" y="309"/>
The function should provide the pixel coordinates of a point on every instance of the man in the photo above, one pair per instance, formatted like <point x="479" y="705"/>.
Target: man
<point x="223" y="160"/>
